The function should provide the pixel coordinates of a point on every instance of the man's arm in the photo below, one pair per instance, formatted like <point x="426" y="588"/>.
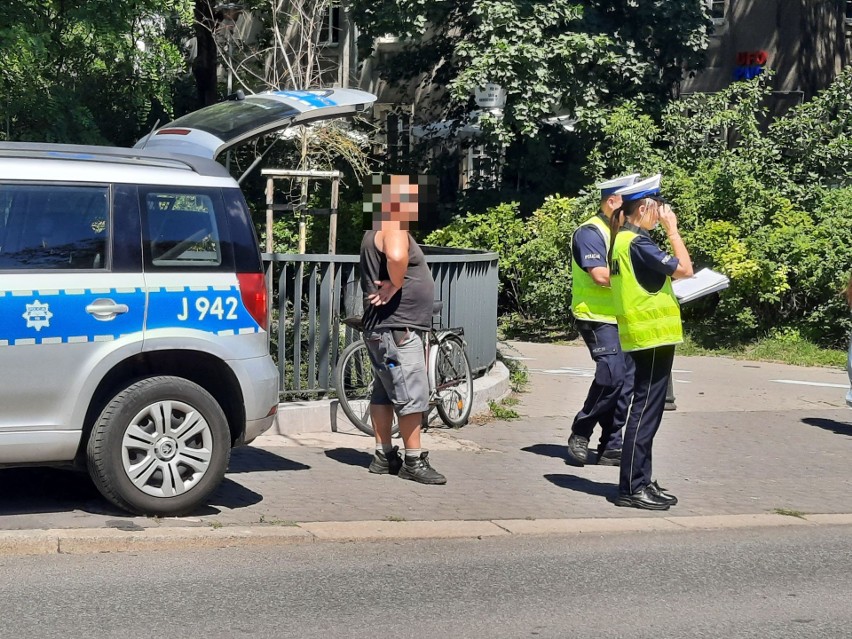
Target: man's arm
<point x="394" y="244"/>
<point x="589" y="251"/>
<point x="600" y="275"/>
<point x="396" y="250"/>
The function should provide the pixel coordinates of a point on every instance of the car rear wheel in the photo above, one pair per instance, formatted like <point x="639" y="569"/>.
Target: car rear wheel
<point x="160" y="447"/>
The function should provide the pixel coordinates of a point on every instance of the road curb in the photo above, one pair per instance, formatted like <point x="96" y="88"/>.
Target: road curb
<point x="324" y="415"/>
<point x="109" y="540"/>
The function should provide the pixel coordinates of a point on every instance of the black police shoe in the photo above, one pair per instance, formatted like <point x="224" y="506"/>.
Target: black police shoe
<point x="386" y="464"/>
<point x="660" y="493"/>
<point x="578" y="450"/>
<point x="418" y="469"/>
<point x="642" y="499"/>
<point x="611" y="457"/>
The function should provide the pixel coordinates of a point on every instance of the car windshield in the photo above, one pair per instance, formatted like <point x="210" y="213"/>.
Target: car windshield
<point x="232" y="119"/>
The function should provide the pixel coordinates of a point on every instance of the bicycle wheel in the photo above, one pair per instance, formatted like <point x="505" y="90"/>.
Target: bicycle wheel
<point x="353" y="379"/>
<point x="451" y="380"/>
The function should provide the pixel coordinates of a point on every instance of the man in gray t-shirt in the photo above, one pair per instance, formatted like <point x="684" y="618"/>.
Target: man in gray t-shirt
<point x="398" y="295"/>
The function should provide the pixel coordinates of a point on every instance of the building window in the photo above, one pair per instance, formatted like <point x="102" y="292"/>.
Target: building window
<point x="480" y="167"/>
<point x="330" y="27"/>
<point x="848" y="14"/>
<point x="398" y="128"/>
<point x="718" y="10"/>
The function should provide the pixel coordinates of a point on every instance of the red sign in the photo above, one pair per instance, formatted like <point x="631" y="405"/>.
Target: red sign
<point x="750" y="64"/>
<point x="752" y="58"/>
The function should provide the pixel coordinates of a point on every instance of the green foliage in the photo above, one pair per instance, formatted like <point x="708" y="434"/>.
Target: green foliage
<point x="759" y="202"/>
<point x="561" y="54"/>
<point x="500" y="410"/>
<point x="533" y="253"/>
<point x="76" y="71"/>
<point x="499" y="229"/>
<point x="763" y="202"/>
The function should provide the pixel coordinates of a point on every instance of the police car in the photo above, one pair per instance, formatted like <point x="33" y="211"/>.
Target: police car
<point x="133" y="304"/>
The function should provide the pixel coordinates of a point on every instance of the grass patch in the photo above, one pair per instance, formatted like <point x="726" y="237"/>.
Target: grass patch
<point x="274" y="521"/>
<point x="502" y="411"/>
<point x="513" y="326"/>
<point x="215" y="525"/>
<point x="394" y="518"/>
<point x="784" y="346"/>
<point x="519" y="376"/>
<point x="787" y="512"/>
<point x="784" y="350"/>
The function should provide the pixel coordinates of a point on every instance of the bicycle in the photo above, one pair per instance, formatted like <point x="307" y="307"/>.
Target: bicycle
<point x="448" y="368"/>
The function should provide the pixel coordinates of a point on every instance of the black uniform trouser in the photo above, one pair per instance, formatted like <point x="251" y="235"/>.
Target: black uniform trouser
<point x="608" y="398"/>
<point x="653" y="367"/>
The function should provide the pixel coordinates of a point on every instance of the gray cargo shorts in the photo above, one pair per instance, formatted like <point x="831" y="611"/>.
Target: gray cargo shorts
<point x="399" y="370"/>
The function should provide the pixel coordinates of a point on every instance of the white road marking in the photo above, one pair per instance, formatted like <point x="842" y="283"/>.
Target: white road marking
<point x="573" y="372"/>
<point x="678" y="370"/>
<point x="520" y="359"/>
<point x="801" y="383"/>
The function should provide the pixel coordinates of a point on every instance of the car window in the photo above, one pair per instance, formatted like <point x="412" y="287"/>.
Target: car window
<point x="45" y="226"/>
<point x="182" y="229"/>
<point x="229" y="120"/>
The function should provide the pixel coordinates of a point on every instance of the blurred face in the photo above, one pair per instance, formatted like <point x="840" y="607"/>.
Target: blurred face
<point x="399" y="208"/>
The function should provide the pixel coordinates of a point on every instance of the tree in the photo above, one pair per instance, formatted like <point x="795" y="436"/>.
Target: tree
<point x="553" y="55"/>
<point x="86" y="71"/>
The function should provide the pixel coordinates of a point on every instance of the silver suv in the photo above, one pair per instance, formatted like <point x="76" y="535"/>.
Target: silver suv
<point x="133" y="304"/>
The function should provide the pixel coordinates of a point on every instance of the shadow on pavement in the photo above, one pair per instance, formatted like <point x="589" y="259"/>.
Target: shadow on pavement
<point x="547" y="450"/>
<point x="350" y="456"/>
<point x="559" y="451"/>
<point x="29" y="491"/>
<point x="583" y="485"/>
<point x="249" y="460"/>
<point x="32" y="491"/>
<point x="841" y="428"/>
<point x="230" y="495"/>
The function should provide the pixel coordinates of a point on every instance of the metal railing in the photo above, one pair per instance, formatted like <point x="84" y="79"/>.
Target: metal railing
<point x="313" y="293"/>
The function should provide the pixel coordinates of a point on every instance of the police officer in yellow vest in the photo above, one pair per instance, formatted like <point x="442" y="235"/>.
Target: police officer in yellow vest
<point x="649" y="326"/>
<point x="592" y="306"/>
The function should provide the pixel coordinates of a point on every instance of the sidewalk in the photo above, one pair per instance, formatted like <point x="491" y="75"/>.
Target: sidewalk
<point x="746" y="439"/>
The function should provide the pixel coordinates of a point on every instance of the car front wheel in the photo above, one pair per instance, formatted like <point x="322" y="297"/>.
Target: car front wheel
<point x="160" y="447"/>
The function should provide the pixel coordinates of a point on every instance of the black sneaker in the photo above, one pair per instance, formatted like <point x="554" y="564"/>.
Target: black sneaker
<point x="386" y="464"/>
<point x="660" y="493"/>
<point x="611" y="457"/>
<point x="578" y="450"/>
<point x="418" y="469"/>
<point x="642" y="499"/>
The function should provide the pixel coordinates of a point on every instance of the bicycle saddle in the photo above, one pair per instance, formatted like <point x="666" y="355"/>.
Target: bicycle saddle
<point x="355" y="321"/>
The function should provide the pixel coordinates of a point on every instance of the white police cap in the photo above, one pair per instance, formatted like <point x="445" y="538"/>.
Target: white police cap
<point x="611" y="186"/>
<point x="644" y="188"/>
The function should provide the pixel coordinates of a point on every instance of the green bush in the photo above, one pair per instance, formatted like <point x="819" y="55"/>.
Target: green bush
<point x="764" y="202"/>
<point x="534" y="253"/>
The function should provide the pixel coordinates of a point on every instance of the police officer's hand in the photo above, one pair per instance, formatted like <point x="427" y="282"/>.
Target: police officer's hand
<point x="386" y="290"/>
<point x="667" y="218"/>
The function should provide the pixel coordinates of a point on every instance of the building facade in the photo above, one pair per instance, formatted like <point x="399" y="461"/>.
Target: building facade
<point x="804" y="42"/>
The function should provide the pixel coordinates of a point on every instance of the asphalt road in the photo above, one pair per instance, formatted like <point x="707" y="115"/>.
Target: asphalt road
<point x="784" y="582"/>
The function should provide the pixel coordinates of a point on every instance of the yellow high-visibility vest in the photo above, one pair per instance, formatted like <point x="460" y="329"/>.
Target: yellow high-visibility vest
<point x="590" y="301"/>
<point x="645" y="319"/>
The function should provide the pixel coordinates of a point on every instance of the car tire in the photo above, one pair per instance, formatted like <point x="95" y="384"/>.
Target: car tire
<point x="160" y="447"/>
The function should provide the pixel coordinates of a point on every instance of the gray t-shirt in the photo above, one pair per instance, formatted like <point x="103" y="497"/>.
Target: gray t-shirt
<point x="410" y="307"/>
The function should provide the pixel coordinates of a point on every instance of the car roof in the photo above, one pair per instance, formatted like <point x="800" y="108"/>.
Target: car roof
<point x="141" y="158"/>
